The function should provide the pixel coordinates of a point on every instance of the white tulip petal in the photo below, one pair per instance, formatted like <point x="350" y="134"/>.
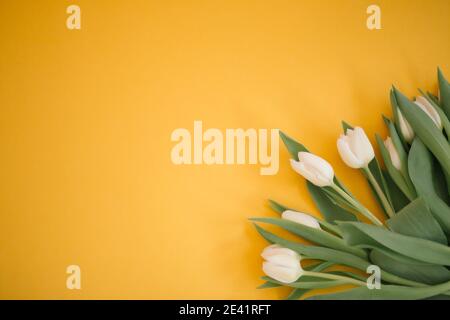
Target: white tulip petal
<point x="283" y="260"/>
<point x="395" y="158"/>
<point x="281" y="273"/>
<point x="322" y="180"/>
<point x="355" y="148"/>
<point x="282" y="264"/>
<point x="367" y="152"/>
<point x="405" y="127"/>
<point x="301" y="218"/>
<point x="428" y="108"/>
<point x="317" y="165"/>
<point x="314" y="169"/>
<point x="275" y="249"/>
<point x="300" y="168"/>
<point x="347" y="155"/>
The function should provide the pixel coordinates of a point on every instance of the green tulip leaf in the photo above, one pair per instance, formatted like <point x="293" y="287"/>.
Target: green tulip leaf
<point x="357" y="238"/>
<point x="269" y="285"/>
<point x="416" y="220"/>
<point x="304" y="283"/>
<point x="434" y="98"/>
<point x="319" y="267"/>
<point x="365" y="235"/>
<point x="298" y="293"/>
<point x="439" y="297"/>
<point x="386" y="292"/>
<point x="429" y="274"/>
<point x="348" y="274"/>
<point x="277" y="207"/>
<point x="421" y="170"/>
<point x="444" y="90"/>
<point x="330" y="210"/>
<point x="293" y="146"/>
<point x="399" y="200"/>
<point x="440" y="182"/>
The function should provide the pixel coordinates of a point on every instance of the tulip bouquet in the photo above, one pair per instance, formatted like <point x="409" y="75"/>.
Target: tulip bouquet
<point x="409" y="248"/>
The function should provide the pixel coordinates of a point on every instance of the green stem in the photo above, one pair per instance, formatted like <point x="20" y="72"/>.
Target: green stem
<point x="333" y="277"/>
<point x="357" y="205"/>
<point x="386" y="205"/>
<point x="391" y="278"/>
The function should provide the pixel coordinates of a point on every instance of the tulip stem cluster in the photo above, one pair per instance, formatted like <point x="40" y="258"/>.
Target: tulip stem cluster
<point x="331" y="276"/>
<point x="358" y="206"/>
<point x="387" y="206"/>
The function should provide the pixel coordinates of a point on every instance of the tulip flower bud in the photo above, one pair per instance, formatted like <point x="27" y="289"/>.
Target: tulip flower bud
<point x="313" y="168"/>
<point x="301" y="218"/>
<point x="395" y="159"/>
<point x="281" y="264"/>
<point x="405" y="127"/>
<point x="355" y="148"/>
<point x="428" y="108"/>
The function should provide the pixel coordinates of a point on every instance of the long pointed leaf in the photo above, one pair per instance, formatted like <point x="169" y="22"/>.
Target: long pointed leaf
<point x="429" y="274"/>
<point x="416" y="248"/>
<point x="277" y="207"/>
<point x="416" y="220"/>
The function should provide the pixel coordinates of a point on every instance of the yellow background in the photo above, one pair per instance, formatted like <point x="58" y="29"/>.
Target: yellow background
<point x="86" y="118"/>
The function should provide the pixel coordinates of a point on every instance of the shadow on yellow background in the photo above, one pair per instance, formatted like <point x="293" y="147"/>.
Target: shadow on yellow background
<point x="86" y="118"/>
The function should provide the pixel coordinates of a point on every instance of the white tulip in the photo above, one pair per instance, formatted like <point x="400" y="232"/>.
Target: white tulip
<point x="405" y="127"/>
<point x="428" y="108"/>
<point x="301" y="218"/>
<point x="313" y="168"/>
<point x="281" y="264"/>
<point x="355" y="148"/>
<point x="393" y="153"/>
